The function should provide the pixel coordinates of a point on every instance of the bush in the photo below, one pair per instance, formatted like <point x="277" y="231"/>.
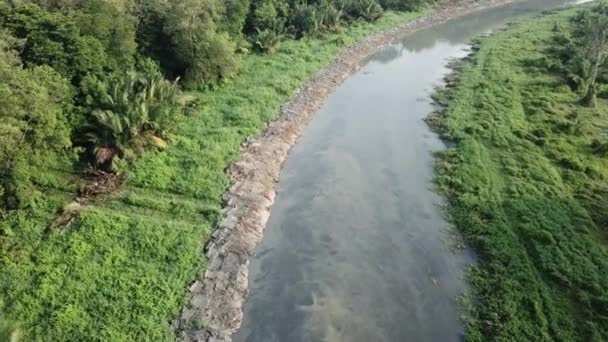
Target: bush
<point x="264" y="15"/>
<point x="54" y="39"/>
<point x="266" y="40"/>
<point x="216" y="61"/>
<point x="130" y="116"/>
<point x="9" y="332"/>
<point x="33" y="124"/>
<point x="305" y="20"/>
<point x="112" y="27"/>
<point x="153" y="39"/>
<point x="331" y="17"/>
<point x="402" y="5"/>
<point x="599" y="148"/>
<point x="234" y="18"/>
<point x="203" y="55"/>
<point x="367" y="9"/>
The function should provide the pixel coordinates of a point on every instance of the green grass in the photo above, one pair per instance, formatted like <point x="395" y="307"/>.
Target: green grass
<point x="526" y="191"/>
<point x="120" y="272"/>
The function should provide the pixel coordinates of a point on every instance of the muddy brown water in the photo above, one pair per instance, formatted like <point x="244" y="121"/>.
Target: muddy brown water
<point x="356" y="247"/>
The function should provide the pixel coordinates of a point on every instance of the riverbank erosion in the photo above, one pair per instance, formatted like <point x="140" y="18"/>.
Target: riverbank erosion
<point x="214" y="309"/>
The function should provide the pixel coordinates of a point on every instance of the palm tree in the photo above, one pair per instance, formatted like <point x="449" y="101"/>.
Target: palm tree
<point x="331" y="16"/>
<point x="129" y="119"/>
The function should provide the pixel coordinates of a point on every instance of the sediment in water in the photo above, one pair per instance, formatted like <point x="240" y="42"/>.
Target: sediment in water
<point x="214" y="309"/>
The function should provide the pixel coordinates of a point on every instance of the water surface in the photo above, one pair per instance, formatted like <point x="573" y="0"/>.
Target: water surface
<point x="356" y="247"/>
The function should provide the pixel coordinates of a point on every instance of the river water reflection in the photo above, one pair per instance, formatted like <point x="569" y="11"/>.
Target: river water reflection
<point x="355" y="248"/>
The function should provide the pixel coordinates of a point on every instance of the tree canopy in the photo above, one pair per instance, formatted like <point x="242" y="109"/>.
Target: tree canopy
<point x="33" y="122"/>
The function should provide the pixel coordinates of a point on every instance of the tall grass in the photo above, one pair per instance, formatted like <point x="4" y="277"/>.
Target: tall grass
<point x="120" y="272"/>
<point x="527" y="191"/>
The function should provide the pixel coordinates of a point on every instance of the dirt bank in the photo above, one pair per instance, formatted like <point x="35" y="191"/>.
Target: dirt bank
<point x="214" y="309"/>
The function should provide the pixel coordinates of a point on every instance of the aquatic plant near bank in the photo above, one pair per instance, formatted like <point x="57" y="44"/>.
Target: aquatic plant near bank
<point x="526" y="188"/>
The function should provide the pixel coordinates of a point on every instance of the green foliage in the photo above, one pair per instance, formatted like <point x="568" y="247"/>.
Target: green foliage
<point x="9" y="332"/>
<point x="33" y="126"/>
<point x="600" y="148"/>
<point x="367" y="9"/>
<point x="331" y="17"/>
<point x="313" y="20"/>
<point x="205" y="56"/>
<point x="54" y="39"/>
<point x="305" y="20"/>
<point x="267" y="40"/>
<point x="216" y="61"/>
<point x="526" y="190"/>
<point x="310" y="18"/>
<point x="235" y="15"/>
<point x="129" y="116"/>
<point x="151" y="38"/>
<point x="107" y="22"/>
<point x="120" y="271"/>
<point x="265" y="14"/>
<point x="402" y="5"/>
<point x="583" y="50"/>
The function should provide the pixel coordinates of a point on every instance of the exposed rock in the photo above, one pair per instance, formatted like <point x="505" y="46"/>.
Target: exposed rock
<point x="214" y="311"/>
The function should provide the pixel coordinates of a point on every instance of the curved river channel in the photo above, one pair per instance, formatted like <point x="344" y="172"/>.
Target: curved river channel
<point x="356" y="248"/>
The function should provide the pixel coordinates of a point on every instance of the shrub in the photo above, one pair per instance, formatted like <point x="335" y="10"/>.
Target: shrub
<point x="235" y="15"/>
<point x="264" y="15"/>
<point x="54" y="39"/>
<point x="112" y="27"/>
<point x="203" y="55"/>
<point x="33" y="124"/>
<point x="9" y="332"/>
<point x="129" y="118"/>
<point x="330" y="16"/>
<point x="599" y="148"/>
<point x="583" y="50"/>
<point x="401" y="5"/>
<point x="305" y="20"/>
<point x="368" y="9"/>
<point x="266" y="40"/>
<point x="216" y="61"/>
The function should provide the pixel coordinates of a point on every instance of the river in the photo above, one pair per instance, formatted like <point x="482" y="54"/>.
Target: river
<point x="356" y="247"/>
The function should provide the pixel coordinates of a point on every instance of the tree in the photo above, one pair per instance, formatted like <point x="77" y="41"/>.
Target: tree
<point x="33" y="124"/>
<point x="112" y="26"/>
<point x="591" y="34"/>
<point x="235" y="15"/>
<point x="205" y="56"/>
<point x="369" y="10"/>
<point x="131" y="113"/>
<point x="54" y="39"/>
<point x="152" y="39"/>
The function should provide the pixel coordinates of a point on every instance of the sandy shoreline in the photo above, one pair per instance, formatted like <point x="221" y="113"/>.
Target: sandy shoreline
<point x="214" y="309"/>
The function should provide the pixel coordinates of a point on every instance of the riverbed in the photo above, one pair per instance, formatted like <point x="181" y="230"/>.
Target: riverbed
<point x="356" y="247"/>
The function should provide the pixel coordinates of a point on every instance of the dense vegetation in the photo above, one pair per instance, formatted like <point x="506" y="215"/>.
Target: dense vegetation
<point x="96" y="87"/>
<point x="528" y="177"/>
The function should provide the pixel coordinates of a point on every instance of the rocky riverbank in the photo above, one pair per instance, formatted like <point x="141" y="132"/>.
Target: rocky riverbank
<point x="214" y="309"/>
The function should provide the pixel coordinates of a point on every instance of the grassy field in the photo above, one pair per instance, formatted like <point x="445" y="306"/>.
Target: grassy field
<point x="119" y="273"/>
<point x="526" y="191"/>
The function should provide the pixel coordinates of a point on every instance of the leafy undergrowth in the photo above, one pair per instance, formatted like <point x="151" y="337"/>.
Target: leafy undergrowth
<point x="526" y="190"/>
<point x="120" y="271"/>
